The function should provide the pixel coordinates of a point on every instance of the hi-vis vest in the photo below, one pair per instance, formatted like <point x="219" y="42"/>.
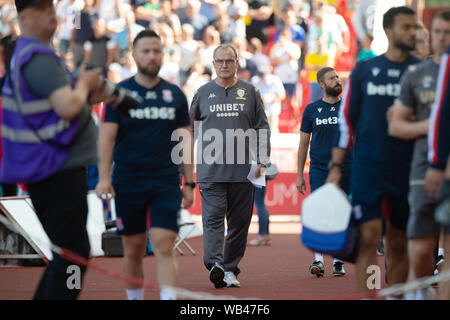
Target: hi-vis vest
<point x="35" y="139"/>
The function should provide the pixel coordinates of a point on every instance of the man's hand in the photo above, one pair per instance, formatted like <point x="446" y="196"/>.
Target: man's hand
<point x="334" y="176"/>
<point x="259" y="170"/>
<point x="433" y="181"/>
<point x="301" y="184"/>
<point x="188" y="196"/>
<point x="91" y="79"/>
<point x="103" y="189"/>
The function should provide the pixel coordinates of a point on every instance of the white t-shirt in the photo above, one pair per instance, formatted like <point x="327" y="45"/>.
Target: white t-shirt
<point x="272" y="85"/>
<point x="287" y="71"/>
<point x="170" y="71"/>
<point x="188" y="50"/>
<point x="67" y="14"/>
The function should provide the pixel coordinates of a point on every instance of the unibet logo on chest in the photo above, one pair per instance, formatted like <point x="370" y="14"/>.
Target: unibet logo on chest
<point x="226" y="107"/>
<point x="329" y="120"/>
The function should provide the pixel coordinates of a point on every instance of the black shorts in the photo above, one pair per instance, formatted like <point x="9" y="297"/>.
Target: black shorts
<point x="380" y="195"/>
<point x="318" y="176"/>
<point x="159" y="207"/>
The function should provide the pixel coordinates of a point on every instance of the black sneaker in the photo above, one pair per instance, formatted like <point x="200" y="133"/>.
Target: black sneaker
<point x="317" y="269"/>
<point x="216" y="275"/>
<point x="338" y="269"/>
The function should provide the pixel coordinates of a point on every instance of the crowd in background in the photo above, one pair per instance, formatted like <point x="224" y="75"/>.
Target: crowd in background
<point x="289" y="40"/>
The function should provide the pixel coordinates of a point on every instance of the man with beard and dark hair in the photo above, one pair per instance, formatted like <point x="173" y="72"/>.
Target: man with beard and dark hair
<point x="319" y="126"/>
<point x="381" y="164"/>
<point x="145" y="180"/>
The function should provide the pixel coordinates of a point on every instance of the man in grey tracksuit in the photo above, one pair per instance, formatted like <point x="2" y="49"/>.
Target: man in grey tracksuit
<point x="232" y="130"/>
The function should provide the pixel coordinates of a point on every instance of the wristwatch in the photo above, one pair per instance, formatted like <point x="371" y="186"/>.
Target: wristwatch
<point x="333" y="164"/>
<point x="190" y="184"/>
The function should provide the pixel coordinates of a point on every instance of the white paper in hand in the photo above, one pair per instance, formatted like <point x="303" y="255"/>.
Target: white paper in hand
<point x="326" y="210"/>
<point x="257" y="182"/>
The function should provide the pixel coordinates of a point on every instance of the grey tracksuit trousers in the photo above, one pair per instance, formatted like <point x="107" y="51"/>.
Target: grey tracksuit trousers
<point x="233" y="201"/>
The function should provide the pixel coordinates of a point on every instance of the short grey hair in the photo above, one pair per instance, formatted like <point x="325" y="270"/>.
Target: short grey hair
<point x="226" y="46"/>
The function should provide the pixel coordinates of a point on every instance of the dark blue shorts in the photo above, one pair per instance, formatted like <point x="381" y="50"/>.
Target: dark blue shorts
<point x="380" y="195"/>
<point x="290" y="89"/>
<point x="318" y="176"/>
<point x="157" y="207"/>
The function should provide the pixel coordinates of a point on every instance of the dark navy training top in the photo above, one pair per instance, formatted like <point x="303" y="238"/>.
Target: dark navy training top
<point x="371" y="90"/>
<point x="143" y="145"/>
<point x="321" y="120"/>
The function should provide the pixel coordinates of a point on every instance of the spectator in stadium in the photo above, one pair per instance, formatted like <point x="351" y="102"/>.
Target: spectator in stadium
<point x="272" y="93"/>
<point x="211" y="39"/>
<point x="422" y="50"/>
<point x="224" y="188"/>
<point x="259" y="58"/>
<point x="8" y="19"/>
<point x="188" y="51"/>
<point x="225" y="25"/>
<point x="289" y="18"/>
<point x="363" y="20"/>
<point x="284" y="56"/>
<point x="237" y="10"/>
<point x="147" y="12"/>
<point x="124" y="38"/>
<point x="317" y="56"/>
<point x="335" y="23"/>
<point x="247" y="68"/>
<point x="380" y="181"/>
<point x="414" y="102"/>
<point x="260" y="14"/>
<point x="145" y="179"/>
<point x="366" y="51"/>
<point x="84" y="32"/>
<point x="170" y="18"/>
<point x="191" y="15"/>
<point x="318" y="129"/>
<point x="99" y="49"/>
<point x="67" y="12"/>
<point x="118" y="72"/>
<point x="197" y="77"/>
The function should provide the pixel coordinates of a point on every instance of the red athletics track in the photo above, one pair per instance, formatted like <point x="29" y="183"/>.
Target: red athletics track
<point x="276" y="272"/>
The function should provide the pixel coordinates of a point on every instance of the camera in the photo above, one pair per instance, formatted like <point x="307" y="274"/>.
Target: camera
<point x="124" y="99"/>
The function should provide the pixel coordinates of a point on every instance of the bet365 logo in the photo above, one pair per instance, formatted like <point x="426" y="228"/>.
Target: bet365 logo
<point x="329" y="120"/>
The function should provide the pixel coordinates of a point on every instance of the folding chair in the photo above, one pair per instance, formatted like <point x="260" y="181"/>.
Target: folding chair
<point x="183" y="234"/>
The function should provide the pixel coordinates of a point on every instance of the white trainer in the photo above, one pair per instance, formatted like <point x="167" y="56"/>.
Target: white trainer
<point x="231" y="280"/>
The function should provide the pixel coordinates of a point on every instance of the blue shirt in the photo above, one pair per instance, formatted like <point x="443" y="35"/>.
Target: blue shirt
<point x="143" y="144"/>
<point x="297" y="32"/>
<point x="371" y="90"/>
<point x="320" y="119"/>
